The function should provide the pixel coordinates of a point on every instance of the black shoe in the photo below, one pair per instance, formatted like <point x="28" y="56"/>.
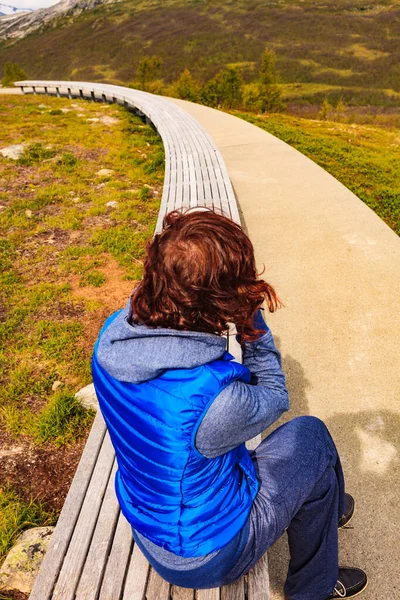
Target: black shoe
<point x="348" y="511"/>
<point x="350" y="583"/>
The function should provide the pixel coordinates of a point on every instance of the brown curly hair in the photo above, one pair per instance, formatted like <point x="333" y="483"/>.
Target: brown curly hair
<point x="199" y="275"/>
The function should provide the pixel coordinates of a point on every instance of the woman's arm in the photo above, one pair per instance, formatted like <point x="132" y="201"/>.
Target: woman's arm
<point x="242" y="410"/>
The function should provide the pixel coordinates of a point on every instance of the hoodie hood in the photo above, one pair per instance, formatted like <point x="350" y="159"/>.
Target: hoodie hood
<point x="137" y="353"/>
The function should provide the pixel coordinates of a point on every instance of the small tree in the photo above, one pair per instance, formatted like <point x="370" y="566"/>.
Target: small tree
<point x="12" y="73"/>
<point x="224" y="89"/>
<point x="231" y="87"/>
<point x="251" y="97"/>
<point x="340" y="108"/>
<point x="269" y="92"/>
<point x="325" y="111"/>
<point x="211" y="92"/>
<point x="148" y="69"/>
<point x="186" y="87"/>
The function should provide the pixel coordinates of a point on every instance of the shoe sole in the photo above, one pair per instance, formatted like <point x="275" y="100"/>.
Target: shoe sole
<point x="360" y="592"/>
<point x="353" y="596"/>
<point x="351" y="518"/>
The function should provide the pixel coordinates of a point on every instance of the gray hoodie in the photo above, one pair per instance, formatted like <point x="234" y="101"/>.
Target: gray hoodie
<point x="135" y="353"/>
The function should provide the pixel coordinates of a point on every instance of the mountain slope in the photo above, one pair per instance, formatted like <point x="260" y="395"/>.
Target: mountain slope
<point x="340" y="42"/>
<point x="6" y="10"/>
<point x="25" y="23"/>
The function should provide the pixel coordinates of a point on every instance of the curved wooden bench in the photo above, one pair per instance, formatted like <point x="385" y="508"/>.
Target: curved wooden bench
<point x="195" y="173"/>
<point x="92" y="555"/>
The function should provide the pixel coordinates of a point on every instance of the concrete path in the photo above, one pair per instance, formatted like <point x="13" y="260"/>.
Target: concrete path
<point x="336" y="266"/>
<point x="14" y="91"/>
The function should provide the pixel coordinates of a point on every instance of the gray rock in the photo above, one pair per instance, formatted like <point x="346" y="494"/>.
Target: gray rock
<point x="22" y="564"/>
<point x="87" y="397"/>
<point x="104" y="172"/>
<point x="21" y="24"/>
<point x="109" y="120"/>
<point x="56" y="385"/>
<point x="15" y="151"/>
<point x="112" y="204"/>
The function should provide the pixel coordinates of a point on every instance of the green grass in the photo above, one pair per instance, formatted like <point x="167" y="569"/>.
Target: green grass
<point x="58" y="236"/>
<point x="365" y="159"/>
<point x="65" y="256"/>
<point x="17" y="515"/>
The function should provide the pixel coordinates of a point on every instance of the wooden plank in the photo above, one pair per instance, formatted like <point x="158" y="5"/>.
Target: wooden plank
<point x="209" y="158"/>
<point x="258" y="580"/>
<point x="53" y="559"/>
<point x="157" y="588"/>
<point x="234" y="591"/>
<point x="203" y="188"/>
<point x="96" y="559"/>
<point x="211" y="594"/>
<point x="118" y="560"/>
<point x="136" y="580"/>
<point x="206" y="147"/>
<point x="179" y="593"/>
<point x="78" y="547"/>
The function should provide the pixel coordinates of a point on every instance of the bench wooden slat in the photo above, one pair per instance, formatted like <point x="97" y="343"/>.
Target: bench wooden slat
<point x="211" y="594"/>
<point x="157" y="588"/>
<point x="118" y="560"/>
<point x="234" y="591"/>
<point x="206" y="147"/>
<point x="54" y="557"/>
<point x="258" y="580"/>
<point x="83" y="532"/>
<point x="95" y="561"/>
<point x="179" y="593"/>
<point x="138" y="573"/>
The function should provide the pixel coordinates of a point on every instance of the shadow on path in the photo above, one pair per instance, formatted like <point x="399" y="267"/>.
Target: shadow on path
<point x="368" y="443"/>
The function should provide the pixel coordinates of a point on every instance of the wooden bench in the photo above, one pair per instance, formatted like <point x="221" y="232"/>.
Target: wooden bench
<point x="92" y="555"/>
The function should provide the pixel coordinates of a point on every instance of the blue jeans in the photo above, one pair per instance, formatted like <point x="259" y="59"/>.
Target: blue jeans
<point x="302" y="492"/>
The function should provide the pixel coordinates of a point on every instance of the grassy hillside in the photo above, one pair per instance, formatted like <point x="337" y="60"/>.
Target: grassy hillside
<point x="365" y="159"/>
<point x="353" y="45"/>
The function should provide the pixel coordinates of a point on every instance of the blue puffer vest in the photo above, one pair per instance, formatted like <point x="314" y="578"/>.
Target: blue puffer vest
<point x="167" y="490"/>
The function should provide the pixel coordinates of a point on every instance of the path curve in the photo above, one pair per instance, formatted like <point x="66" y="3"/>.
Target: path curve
<point x="336" y="266"/>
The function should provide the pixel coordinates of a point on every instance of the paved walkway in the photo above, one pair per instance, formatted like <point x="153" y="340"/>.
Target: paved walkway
<point x="13" y="91"/>
<point x="336" y="266"/>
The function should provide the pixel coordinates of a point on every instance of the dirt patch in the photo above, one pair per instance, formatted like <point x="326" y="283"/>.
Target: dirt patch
<point x="98" y="221"/>
<point x="112" y="295"/>
<point x="24" y="179"/>
<point x="43" y="474"/>
<point x="13" y="595"/>
<point x="61" y="310"/>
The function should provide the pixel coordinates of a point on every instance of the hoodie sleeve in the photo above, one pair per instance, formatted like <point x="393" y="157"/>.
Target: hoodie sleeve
<point x="243" y="410"/>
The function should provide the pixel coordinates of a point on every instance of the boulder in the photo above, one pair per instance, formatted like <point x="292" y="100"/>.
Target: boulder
<point x="56" y="385"/>
<point x="22" y="564"/>
<point x="87" y="397"/>
<point x="104" y="172"/>
<point x="15" y="151"/>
